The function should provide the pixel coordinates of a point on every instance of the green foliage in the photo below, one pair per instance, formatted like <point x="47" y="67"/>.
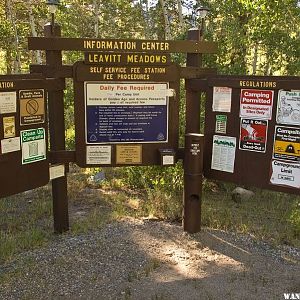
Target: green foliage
<point x="268" y="215"/>
<point x="294" y="218"/>
<point x="167" y="179"/>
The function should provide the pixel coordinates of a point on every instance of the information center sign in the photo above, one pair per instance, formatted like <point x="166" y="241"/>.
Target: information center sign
<point x="126" y="112"/>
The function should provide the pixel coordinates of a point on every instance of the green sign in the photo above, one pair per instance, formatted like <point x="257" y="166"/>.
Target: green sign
<point x="33" y="145"/>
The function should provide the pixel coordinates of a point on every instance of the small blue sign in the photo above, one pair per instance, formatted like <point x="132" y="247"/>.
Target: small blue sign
<point x="126" y="124"/>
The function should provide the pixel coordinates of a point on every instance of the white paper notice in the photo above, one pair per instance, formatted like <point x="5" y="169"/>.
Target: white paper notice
<point x="56" y="171"/>
<point x="223" y="153"/>
<point x="98" y="155"/>
<point x="10" y="145"/>
<point x="8" y="102"/>
<point x="168" y="160"/>
<point x="285" y="173"/>
<point x="288" y="108"/>
<point x="222" y="99"/>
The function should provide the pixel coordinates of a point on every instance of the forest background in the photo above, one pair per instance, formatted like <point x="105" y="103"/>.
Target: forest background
<point x="255" y="37"/>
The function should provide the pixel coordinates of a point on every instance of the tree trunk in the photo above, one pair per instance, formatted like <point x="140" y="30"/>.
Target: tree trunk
<point x="11" y="18"/>
<point x="38" y="57"/>
<point x="166" y="18"/>
<point x="254" y="63"/>
<point x="96" y="11"/>
<point x="180" y="16"/>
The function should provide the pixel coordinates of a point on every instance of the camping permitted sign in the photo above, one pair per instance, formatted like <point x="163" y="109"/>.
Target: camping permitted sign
<point x="33" y="143"/>
<point x="256" y="104"/>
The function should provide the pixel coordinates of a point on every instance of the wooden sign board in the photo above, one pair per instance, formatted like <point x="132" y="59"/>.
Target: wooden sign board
<point x="24" y="161"/>
<point x="125" y="115"/>
<point x="107" y="58"/>
<point x="119" y="45"/>
<point x="252" y="129"/>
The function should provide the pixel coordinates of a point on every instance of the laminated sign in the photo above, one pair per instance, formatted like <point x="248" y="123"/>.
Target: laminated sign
<point x="287" y="143"/>
<point x="32" y="107"/>
<point x="253" y="135"/>
<point x="33" y="145"/>
<point x="256" y="104"/>
<point x="126" y="112"/>
<point x="285" y="173"/>
<point x="288" y="108"/>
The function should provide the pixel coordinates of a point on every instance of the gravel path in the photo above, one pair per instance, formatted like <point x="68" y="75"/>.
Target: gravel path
<point x="140" y="259"/>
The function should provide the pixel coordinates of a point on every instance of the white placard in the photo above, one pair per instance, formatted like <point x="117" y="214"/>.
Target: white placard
<point x="98" y="155"/>
<point x="8" y="102"/>
<point x="223" y="153"/>
<point x="288" y="107"/>
<point x="10" y="145"/>
<point x="56" y="171"/>
<point x="168" y="160"/>
<point x="222" y="99"/>
<point x="285" y="173"/>
<point x="256" y="104"/>
<point x="114" y="94"/>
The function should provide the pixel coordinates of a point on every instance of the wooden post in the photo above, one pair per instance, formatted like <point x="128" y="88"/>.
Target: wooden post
<point x="193" y="170"/>
<point x="193" y="156"/>
<point x="57" y="135"/>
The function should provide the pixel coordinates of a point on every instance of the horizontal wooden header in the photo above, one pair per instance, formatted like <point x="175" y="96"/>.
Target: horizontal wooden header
<point x="13" y="83"/>
<point x="114" y="45"/>
<point x="128" y="58"/>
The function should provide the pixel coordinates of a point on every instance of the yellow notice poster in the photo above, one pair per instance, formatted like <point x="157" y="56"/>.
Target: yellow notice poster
<point x="128" y="154"/>
<point x="9" y="127"/>
<point x="287" y="143"/>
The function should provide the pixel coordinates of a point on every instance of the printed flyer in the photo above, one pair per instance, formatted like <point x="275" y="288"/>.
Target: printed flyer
<point x="223" y="153"/>
<point x="222" y="99"/>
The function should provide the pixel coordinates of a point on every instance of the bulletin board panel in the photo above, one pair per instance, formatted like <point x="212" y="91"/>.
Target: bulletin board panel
<point x="126" y="134"/>
<point x="252" y="131"/>
<point x="24" y="161"/>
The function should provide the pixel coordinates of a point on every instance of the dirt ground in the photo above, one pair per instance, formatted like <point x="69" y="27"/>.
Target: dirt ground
<point x="144" y="259"/>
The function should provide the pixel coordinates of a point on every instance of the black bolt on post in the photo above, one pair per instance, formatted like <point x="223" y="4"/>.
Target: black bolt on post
<point x="193" y="170"/>
<point x="57" y="135"/>
<point x="192" y="158"/>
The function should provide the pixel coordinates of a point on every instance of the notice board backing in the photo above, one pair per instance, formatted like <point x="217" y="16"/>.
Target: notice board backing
<point x="129" y="133"/>
<point x="252" y="137"/>
<point x="24" y="161"/>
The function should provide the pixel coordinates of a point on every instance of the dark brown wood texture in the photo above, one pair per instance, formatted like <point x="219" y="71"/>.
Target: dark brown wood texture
<point x="127" y="58"/>
<point x="15" y="177"/>
<point x="251" y="168"/>
<point x="57" y="135"/>
<point x="55" y="43"/>
<point x="150" y="151"/>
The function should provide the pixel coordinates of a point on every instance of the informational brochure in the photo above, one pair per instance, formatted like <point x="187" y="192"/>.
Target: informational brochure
<point x="288" y="107"/>
<point x="8" y="102"/>
<point x="222" y="99"/>
<point x="223" y="153"/>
